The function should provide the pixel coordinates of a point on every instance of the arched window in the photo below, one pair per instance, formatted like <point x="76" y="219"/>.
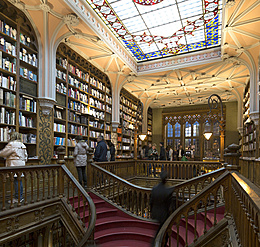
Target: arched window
<point x="177" y="130"/>
<point x="196" y="126"/>
<point x="169" y="130"/>
<point x="187" y="129"/>
<point x="216" y="128"/>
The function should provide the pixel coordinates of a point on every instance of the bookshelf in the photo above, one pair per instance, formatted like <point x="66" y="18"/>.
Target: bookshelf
<point x="149" y="124"/>
<point x="249" y="129"/>
<point x="129" y="117"/>
<point x="84" y="101"/>
<point x="18" y="82"/>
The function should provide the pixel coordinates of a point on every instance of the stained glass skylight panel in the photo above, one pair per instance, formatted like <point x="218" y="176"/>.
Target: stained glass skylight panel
<point x="152" y="29"/>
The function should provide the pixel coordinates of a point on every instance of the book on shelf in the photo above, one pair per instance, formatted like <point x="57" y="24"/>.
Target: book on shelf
<point x="7" y="82"/>
<point x="6" y="116"/>
<point x="59" y="141"/>
<point x="26" y="121"/>
<point x="27" y="104"/>
<point x="9" y="64"/>
<point x="7" y="29"/>
<point x="7" y="98"/>
<point x="28" y="138"/>
<point x="59" y="127"/>
<point x="4" y="134"/>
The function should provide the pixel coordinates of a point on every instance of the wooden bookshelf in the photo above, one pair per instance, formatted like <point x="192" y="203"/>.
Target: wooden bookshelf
<point x="129" y="106"/>
<point x="149" y="125"/>
<point x="84" y="101"/>
<point x="18" y="82"/>
<point x="249" y="129"/>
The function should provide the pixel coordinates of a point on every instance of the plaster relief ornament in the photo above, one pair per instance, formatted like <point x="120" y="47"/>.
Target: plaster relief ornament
<point x="71" y="20"/>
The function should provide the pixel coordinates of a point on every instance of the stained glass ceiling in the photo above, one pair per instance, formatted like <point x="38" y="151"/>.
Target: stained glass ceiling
<point x="152" y="29"/>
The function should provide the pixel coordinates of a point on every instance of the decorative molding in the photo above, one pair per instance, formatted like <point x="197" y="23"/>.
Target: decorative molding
<point x="87" y="14"/>
<point x="71" y="20"/>
<point x="46" y="105"/>
<point x="181" y="61"/>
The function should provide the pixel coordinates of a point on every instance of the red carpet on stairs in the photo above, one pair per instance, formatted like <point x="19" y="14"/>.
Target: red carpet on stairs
<point x="115" y="228"/>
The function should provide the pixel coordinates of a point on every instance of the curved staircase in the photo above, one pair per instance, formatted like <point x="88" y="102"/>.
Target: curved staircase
<point x="116" y="228"/>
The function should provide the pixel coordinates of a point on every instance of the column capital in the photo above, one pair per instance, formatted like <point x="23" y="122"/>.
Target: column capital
<point x="46" y="105"/>
<point x="255" y="117"/>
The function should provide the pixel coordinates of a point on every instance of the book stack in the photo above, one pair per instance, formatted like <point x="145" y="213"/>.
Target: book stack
<point x="27" y="104"/>
<point x="59" y="127"/>
<point x="7" y="82"/>
<point x="59" y="141"/>
<point x="7" y="29"/>
<point x="7" y="98"/>
<point x="25" y="121"/>
<point x="6" y="116"/>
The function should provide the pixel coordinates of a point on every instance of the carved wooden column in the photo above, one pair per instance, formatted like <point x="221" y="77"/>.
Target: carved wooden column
<point x="232" y="157"/>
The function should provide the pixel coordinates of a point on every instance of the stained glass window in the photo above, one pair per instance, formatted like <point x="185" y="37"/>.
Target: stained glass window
<point x="163" y="29"/>
<point x="196" y="129"/>
<point x="177" y="130"/>
<point x="187" y="129"/>
<point x="169" y="130"/>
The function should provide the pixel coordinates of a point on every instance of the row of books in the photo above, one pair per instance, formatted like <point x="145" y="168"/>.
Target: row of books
<point x="7" y="29"/>
<point x="77" y="130"/>
<point x="97" y="94"/>
<point x="108" y="99"/>
<point x="7" y="63"/>
<point x="7" y="46"/>
<point x="59" y="127"/>
<point x="26" y="121"/>
<point x="92" y="144"/>
<point x="108" y="109"/>
<point x="27" y="103"/>
<point x="76" y="83"/>
<point x="28" y="138"/>
<point x="128" y="103"/>
<point x="7" y="82"/>
<point x="126" y="140"/>
<point x="77" y="118"/>
<point x="108" y="127"/>
<point x="96" y="113"/>
<point x="97" y="83"/>
<point x="78" y="106"/>
<point x="28" y="74"/>
<point x="76" y="71"/>
<point x="6" y="116"/>
<point x="96" y="124"/>
<point x="61" y="75"/>
<point x="24" y="39"/>
<point x="97" y="103"/>
<point x="4" y="134"/>
<point x="94" y="134"/>
<point x="63" y="62"/>
<point x="59" y="141"/>
<point x="76" y="94"/>
<point x="128" y="117"/>
<point x="58" y="114"/>
<point x="27" y="57"/>
<point x="127" y="109"/>
<point x="7" y="98"/>
<point x="61" y="88"/>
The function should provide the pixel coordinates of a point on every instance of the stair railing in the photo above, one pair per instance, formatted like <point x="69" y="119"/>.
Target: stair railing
<point x="209" y="197"/>
<point x="150" y="168"/>
<point x="136" y="199"/>
<point x="42" y="183"/>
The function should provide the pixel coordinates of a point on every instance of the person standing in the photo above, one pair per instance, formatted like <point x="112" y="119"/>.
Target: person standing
<point x="80" y="160"/>
<point x="162" y="152"/>
<point x="180" y="153"/>
<point x="147" y="148"/>
<point x="112" y="151"/>
<point x="100" y="154"/>
<point x="16" y="155"/>
<point x="152" y="155"/>
<point x="160" y="202"/>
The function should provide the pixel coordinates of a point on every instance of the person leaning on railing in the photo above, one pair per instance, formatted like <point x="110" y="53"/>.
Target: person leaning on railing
<point x="16" y="155"/>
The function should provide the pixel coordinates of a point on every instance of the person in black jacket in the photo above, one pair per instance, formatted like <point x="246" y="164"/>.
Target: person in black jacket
<point x="112" y="150"/>
<point x="100" y="154"/>
<point x="160" y="201"/>
<point x="162" y="152"/>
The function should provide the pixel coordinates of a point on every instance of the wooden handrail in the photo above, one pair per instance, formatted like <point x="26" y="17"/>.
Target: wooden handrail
<point x="200" y="202"/>
<point x="241" y="200"/>
<point x="150" y="168"/>
<point x="41" y="183"/>
<point x="135" y="198"/>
